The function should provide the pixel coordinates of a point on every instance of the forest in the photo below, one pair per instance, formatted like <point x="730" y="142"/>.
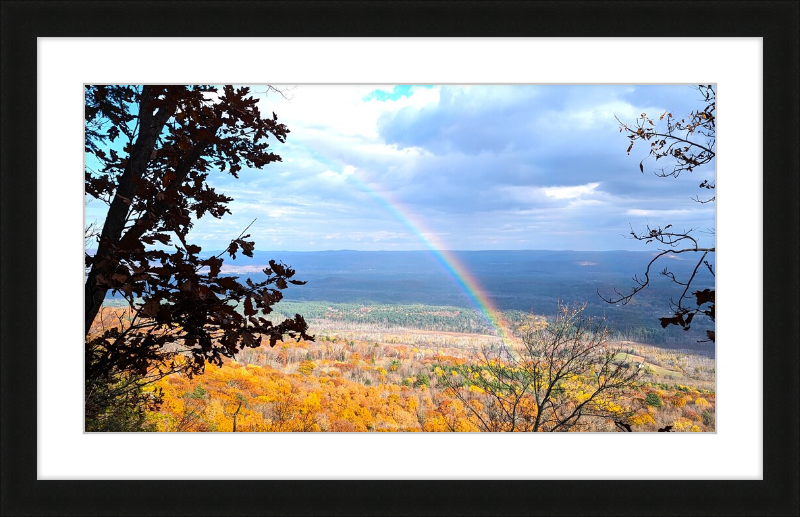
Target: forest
<point x="391" y="368"/>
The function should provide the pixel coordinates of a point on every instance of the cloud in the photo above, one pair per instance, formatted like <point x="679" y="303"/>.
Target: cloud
<point x="660" y="213"/>
<point x="570" y="192"/>
<point x="486" y="166"/>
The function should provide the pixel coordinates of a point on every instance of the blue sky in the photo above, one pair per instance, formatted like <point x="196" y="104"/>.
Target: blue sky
<point x="463" y="167"/>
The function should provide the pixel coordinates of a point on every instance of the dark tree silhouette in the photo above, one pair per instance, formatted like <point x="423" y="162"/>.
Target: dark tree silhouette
<point x="626" y="428"/>
<point x="149" y="152"/>
<point x="685" y="143"/>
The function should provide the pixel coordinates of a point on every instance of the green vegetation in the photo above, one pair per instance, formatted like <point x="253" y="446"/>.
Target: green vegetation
<point x="423" y="380"/>
<point x="653" y="399"/>
<point x="416" y="316"/>
<point x="324" y="314"/>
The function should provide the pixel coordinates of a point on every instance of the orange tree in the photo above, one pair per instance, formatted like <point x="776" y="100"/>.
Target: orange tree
<point x="150" y="150"/>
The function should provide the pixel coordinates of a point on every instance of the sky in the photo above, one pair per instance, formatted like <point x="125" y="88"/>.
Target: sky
<point x="386" y="167"/>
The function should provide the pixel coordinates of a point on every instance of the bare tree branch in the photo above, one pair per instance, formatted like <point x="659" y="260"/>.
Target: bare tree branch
<point x="666" y="143"/>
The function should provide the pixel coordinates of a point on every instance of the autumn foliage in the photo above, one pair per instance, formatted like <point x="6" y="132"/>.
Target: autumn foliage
<point x="391" y="383"/>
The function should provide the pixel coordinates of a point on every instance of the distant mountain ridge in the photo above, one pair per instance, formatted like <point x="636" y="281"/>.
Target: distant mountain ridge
<point x="526" y="280"/>
<point x="531" y="280"/>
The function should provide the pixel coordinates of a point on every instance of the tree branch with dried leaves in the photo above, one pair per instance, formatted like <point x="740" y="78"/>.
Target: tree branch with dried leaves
<point x="689" y="142"/>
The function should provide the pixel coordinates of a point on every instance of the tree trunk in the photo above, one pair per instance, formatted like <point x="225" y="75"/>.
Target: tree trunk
<point x="235" y="415"/>
<point x="150" y="126"/>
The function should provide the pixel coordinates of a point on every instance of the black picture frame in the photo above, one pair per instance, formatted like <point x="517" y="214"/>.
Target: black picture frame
<point x="775" y="22"/>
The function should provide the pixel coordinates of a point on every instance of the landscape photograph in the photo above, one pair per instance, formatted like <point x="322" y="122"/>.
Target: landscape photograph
<point x="400" y="258"/>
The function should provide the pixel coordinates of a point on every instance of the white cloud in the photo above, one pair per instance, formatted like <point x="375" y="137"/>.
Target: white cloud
<point x="518" y="166"/>
<point x="638" y="212"/>
<point x="340" y="108"/>
<point x="570" y="192"/>
<point x="329" y="175"/>
<point x="585" y="202"/>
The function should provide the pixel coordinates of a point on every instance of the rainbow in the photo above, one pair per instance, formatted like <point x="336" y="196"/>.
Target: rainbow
<point x="447" y="260"/>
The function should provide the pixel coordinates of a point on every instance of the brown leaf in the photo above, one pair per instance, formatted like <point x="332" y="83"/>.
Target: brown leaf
<point x="214" y="266"/>
<point x="704" y="296"/>
<point x="248" y="307"/>
<point x="677" y="320"/>
<point x="150" y="308"/>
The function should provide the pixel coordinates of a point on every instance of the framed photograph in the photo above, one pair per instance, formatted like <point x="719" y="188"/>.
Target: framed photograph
<point x="346" y="55"/>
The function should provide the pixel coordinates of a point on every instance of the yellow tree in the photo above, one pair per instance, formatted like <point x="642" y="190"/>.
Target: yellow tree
<point x="564" y="375"/>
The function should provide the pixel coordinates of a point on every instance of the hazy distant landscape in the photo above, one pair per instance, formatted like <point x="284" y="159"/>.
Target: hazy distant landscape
<point x="518" y="282"/>
<point x="526" y="281"/>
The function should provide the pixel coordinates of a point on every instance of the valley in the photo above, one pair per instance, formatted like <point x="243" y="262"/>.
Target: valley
<point x="366" y="372"/>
